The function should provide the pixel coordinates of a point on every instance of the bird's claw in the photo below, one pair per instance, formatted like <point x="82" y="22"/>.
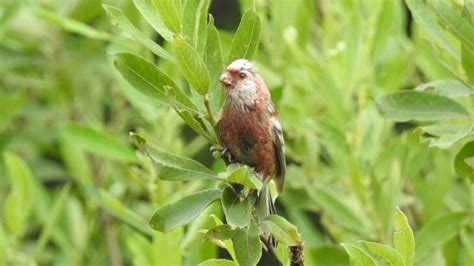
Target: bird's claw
<point x="226" y="155"/>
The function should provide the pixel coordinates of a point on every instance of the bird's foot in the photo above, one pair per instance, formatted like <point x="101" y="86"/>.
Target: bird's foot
<point x="221" y="152"/>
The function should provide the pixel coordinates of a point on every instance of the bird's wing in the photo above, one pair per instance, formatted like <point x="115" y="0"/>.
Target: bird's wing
<point x="279" y="144"/>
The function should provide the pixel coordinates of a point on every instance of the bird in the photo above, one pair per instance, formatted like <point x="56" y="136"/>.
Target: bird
<point x="249" y="128"/>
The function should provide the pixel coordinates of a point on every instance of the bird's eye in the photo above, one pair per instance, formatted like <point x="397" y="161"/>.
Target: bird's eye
<point x="242" y="75"/>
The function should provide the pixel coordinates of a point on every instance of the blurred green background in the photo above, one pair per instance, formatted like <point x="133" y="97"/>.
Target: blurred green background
<point x="72" y="192"/>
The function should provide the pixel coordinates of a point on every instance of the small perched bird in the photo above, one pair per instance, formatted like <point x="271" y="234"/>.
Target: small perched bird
<point x="250" y="128"/>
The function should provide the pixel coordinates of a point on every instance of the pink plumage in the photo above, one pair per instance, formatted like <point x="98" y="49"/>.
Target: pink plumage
<point x="250" y="127"/>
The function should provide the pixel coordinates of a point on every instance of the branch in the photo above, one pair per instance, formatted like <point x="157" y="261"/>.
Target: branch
<point x="271" y="250"/>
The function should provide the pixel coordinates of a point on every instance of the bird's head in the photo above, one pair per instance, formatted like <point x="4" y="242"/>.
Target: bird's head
<point x="238" y="73"/>
<point x="242" y="85"/>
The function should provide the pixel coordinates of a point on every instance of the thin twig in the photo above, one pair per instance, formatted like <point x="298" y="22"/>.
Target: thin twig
<point x="271" y="250"/>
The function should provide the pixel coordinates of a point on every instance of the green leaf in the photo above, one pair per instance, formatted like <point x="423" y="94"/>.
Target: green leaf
<point x="189" y="19"/>
<point x="200" y="27"/>
<point x="151" y="81"/>
<point x="73" y="25"/>
<point x="247" y="37"/>
<point x="221" y="232"/>
<point x="177" y="168"/>
<point x="357" y="256"/>
<point x="191" y="66"/>
<point x="117" y="15"/>
<point x="151" y="15"/>
<point x="448" y="88"/>
<point x="464" y="161"/>
<point x="326" y="255"/>
<point x="248" y="248"/>
<point x="387" y="253"/>
<point x="115" y="207"/>
<point x="229" y="246"/>
<point x="19" y="202"/>
<point x="194" y="124"/>
<point x="436" y="233"/>
<point x="76" y="162"/>
<point x="336" y="210"/>
<point x="422" y="106"/>
<point x="283" y="231"/>
<point x="428" y="23"/>
<point x="403" y="238"/>
<point x="98" y="143"/>
<point x="10" y="107"/>
<point x="241" y="174"/>
<point x="169" y="11"/>
<point x="454" y="22"/>
<point x="215" y="64"/>
<point x="448" y="132"/>
<point x="183" y="211"/>
<point x="194" y="23"/>
<point x="53" y="217"/>
<point x="218" y="262"/>
<point x="467" y="61"/>
<point x="167" y="249"/>
<point x="237" y="211"/>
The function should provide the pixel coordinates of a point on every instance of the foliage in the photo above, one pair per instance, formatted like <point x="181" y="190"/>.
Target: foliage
<point x="76" y="77"/>
<point x="440" y="101"/>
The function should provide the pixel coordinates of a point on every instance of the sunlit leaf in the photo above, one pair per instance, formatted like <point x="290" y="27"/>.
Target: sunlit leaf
<point x="193" y="123"/>
<point x="170" y="13"/>
<point x="215" y="64"/>
<point x="448" y="132"/>
<point x="177" y="168"/>
<point x="241" y="174"/>
<point x="247" y="245"/>
<point x="403" y="238"/>
<point x="387" y="253"/>
<point x="19" y="201"/>
<point x="183" y="211"/>
<point x="152" y="16"/>
<point x="151" y="81"/>
<point x="428" y="23"/>
<point x="194" y="23"/>
<point x="247" y="37"/>
<point x="464" y="161"/>
<point x="167" y="249"/>
<point x="191" y="65"/>
<point x="237" y="211"/>
<point x="357" y="256"/>
<point x="415" y="105"/>
<point x="448" y="88"/>
<point x="218" y="262"/>
<point x="454" y="22"/>
<point x="119" y="18"/>
<point x="221" y="232"/>
<point x="10" y="107"/>
<point x="327" y="255"/>
<point x="467" y="60"/>
<point x="282" y="230"/>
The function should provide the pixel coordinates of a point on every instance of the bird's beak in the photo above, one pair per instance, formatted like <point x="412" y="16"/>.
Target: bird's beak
<point x="225" y="79"/>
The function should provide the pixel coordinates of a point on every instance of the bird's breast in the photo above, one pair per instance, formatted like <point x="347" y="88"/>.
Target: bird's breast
<point x="247" y="136"/>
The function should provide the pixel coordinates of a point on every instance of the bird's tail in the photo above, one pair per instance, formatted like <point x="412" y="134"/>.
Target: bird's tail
<point x="265" y="208"/>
